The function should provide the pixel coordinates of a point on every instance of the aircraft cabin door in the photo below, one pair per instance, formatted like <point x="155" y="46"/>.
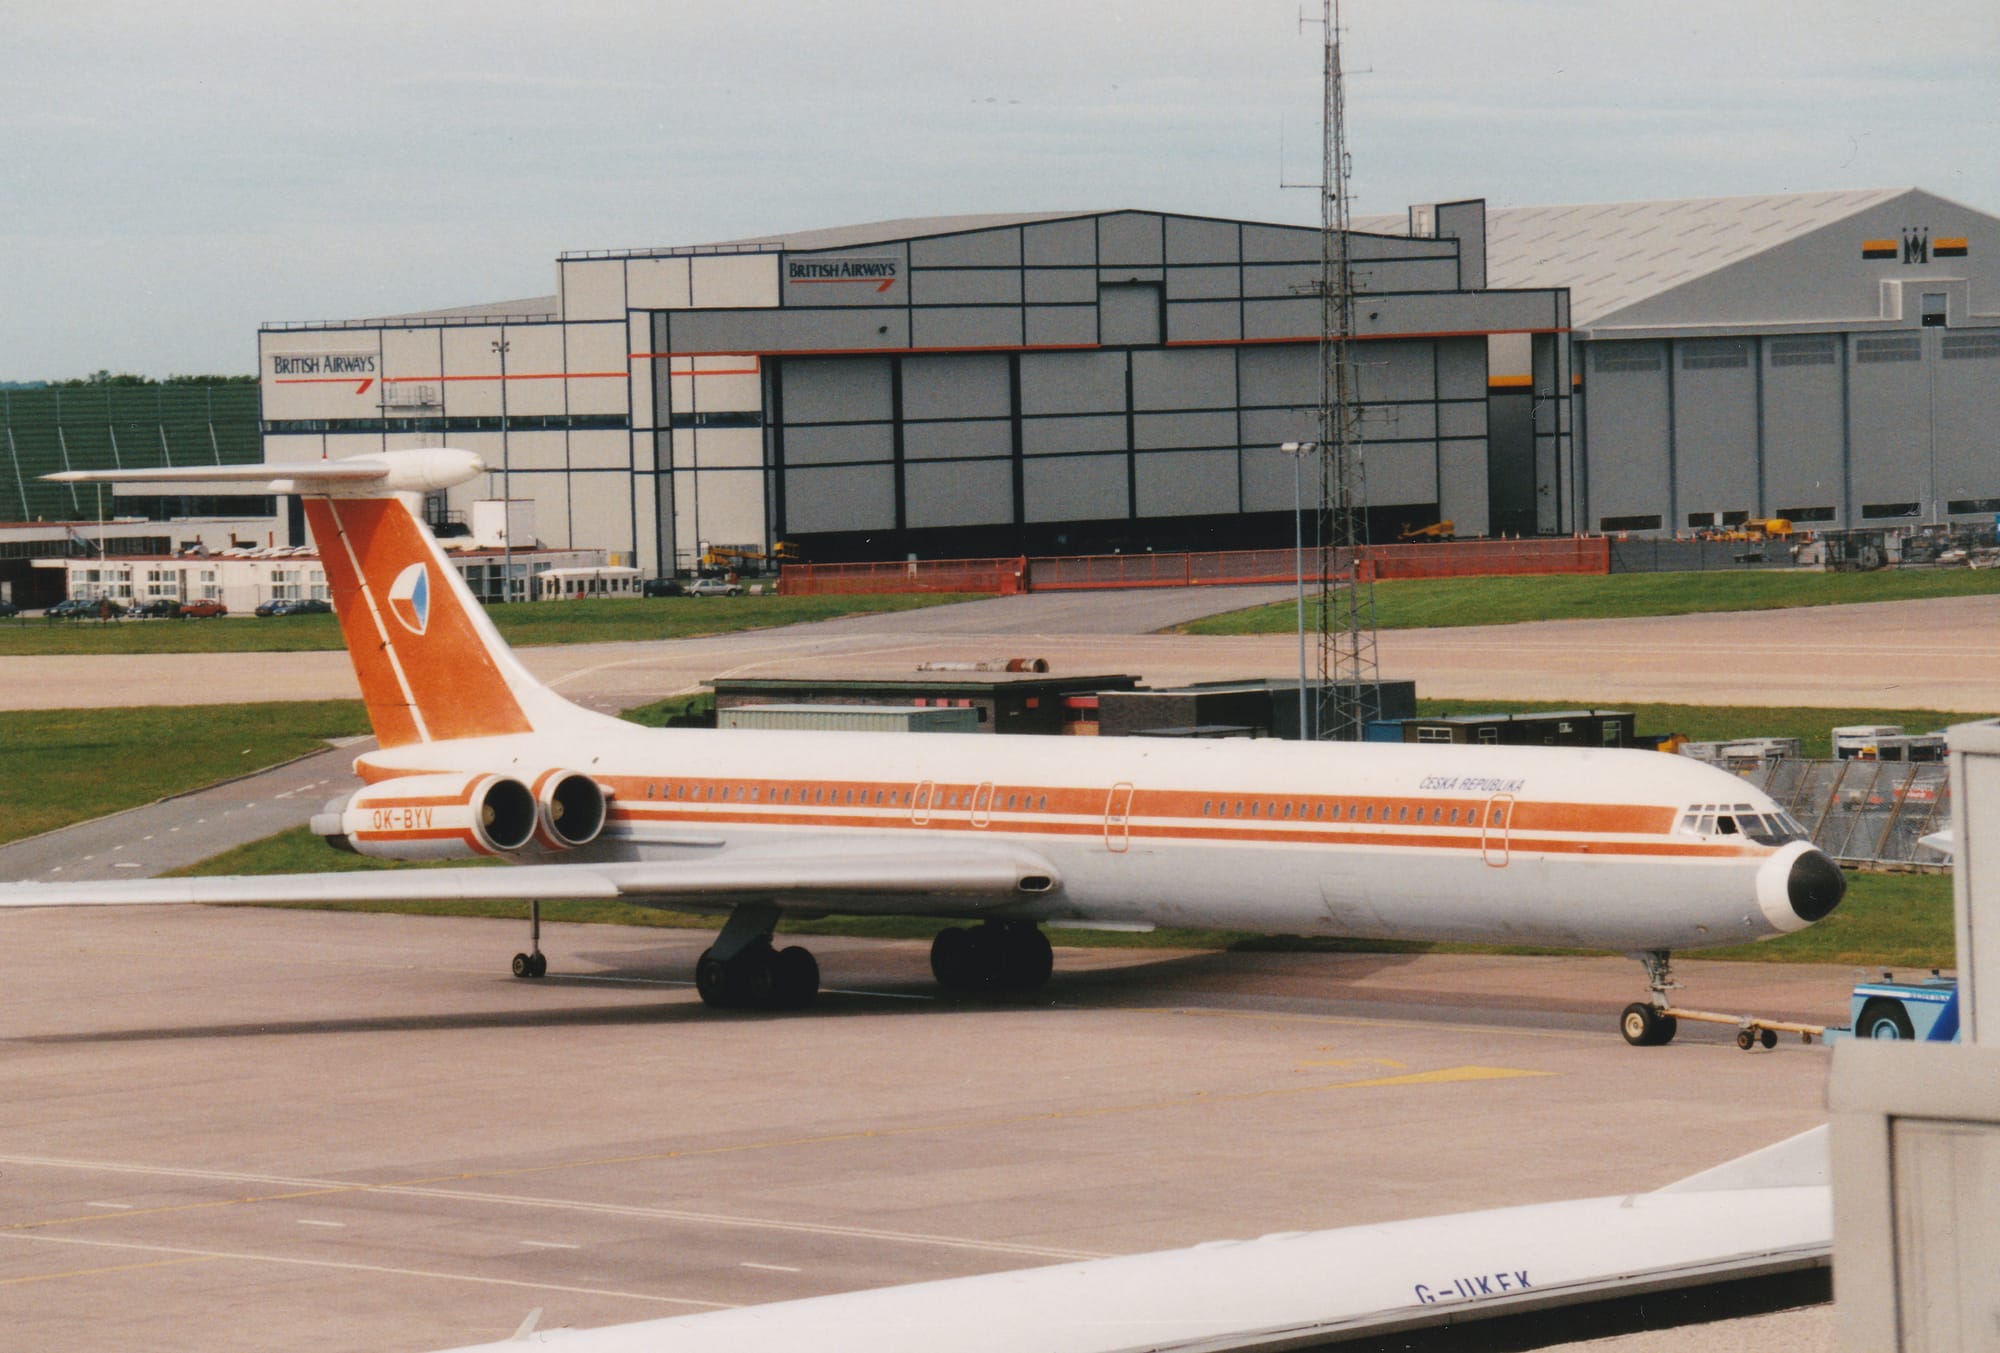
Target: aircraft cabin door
<point x="1118" y="818"/>
<point x="1496" y="830"/>
<point x="920" y="803"/>
<point x="982" y="804"/>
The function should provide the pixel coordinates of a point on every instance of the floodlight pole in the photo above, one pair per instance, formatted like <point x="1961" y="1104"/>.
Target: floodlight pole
<point x="506" y="483"/>
<point x="1298" y="451"/>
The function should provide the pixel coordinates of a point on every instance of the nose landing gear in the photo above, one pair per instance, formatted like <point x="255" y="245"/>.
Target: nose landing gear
<point x="1650" y="1023"/>
<point x="1653" y="1023"/>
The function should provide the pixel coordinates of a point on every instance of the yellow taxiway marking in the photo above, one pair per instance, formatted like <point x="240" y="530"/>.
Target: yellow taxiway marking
<point x="113" y="1268"/>
<point x="1389" y="1062"/>
<point x="1445" y="1076"/>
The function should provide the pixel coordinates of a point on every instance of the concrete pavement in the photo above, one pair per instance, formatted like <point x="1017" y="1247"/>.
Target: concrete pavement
<point x="1937" y="654"/>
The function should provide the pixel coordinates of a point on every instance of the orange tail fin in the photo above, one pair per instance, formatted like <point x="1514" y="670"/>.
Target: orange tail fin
<point x="427" y="671"/>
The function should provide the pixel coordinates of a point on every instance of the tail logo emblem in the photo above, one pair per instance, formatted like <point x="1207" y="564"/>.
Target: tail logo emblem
<point x="410" y="598"/>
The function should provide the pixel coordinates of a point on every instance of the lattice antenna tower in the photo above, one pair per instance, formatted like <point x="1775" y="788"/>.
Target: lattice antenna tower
<point x="1348" y="670"/>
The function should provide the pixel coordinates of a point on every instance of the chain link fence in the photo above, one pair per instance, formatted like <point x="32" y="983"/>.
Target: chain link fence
<point x="1864" y="812"/>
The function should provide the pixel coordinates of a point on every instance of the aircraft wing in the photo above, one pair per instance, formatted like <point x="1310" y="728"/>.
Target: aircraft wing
<point x="960" y="880"/>
<point x="1764" y="1220"/>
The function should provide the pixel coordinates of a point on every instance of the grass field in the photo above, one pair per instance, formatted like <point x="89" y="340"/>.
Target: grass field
<point x="1903" y="920"/>
<point x="1448" y="602"/>
<point x="523" y="624"/>
<point x="70" y="765"/>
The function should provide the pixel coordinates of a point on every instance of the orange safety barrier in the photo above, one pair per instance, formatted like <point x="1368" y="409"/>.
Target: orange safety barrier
<point x="1005" y="576"/>
<point x="1214" y="568"/>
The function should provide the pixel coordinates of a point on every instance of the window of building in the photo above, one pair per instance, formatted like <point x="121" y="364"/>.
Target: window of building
<point x="1804" y="350"/>
<point x="1877" y="511"/>
<point x="1710" y="354"/>
<point x="1970" y="347"/>
<point x="1889" y="348"/>
<point x="1806" y="513"/>
<point x="1607" y="357"/>
<point x="1632" y="523"/>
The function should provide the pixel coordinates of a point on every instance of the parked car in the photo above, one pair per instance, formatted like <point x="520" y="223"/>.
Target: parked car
<point x="8" y="610"/>
<point x="82" y="608"/>
<point x="294" y="606"/>
<point x="661" y="587"/>
<point x="160" y="608"/>
<point x="201" y="610"/>
<point x="714" y="587"/>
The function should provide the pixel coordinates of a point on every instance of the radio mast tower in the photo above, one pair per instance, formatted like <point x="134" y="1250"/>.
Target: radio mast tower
<point x="1348" y="699"/>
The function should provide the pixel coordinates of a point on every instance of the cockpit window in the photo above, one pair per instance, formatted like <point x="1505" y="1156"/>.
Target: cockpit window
<point x="1741" y="819"/>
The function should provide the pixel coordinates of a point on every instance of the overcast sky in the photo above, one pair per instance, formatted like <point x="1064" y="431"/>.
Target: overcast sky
<point x="172" y="174"/>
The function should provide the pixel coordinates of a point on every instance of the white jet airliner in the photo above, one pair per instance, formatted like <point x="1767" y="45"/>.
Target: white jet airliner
<point x="1624" y="850"/>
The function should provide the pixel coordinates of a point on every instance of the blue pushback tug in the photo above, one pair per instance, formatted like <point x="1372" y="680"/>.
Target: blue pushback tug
<point x="1924" y="1010"/>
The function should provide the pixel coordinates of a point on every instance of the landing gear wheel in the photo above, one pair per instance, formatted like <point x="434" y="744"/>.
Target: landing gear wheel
<point x="1746" y="1039"/>
<point x="795" y="974"/>
<point x="758" y="978"/>
<point x="1026" y="958"/>
<point x="531" y="965"/>
<point x="1884" y="1019"/>
<point x="955" y="959"/>
<point x="711" y="980"/>
<point x="1645" y="1027"/>
<point x="1769" y="1038"/>
<point x="992" y="956"/>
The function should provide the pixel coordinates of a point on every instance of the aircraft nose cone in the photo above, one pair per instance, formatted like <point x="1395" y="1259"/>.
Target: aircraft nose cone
<point x="1815" y="885"/>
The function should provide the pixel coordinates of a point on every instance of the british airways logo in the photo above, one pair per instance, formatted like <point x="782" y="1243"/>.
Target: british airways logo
<point x="410" y="598"/>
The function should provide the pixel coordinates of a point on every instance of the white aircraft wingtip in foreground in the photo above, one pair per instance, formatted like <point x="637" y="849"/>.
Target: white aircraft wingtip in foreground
<point x="1623" y="850"/>
<point x="1760" y="1217"/>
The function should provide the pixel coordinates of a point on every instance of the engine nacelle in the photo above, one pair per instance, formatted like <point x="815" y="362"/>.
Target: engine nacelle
<point x="569" y="809"/>
<point x="451" y="816"/>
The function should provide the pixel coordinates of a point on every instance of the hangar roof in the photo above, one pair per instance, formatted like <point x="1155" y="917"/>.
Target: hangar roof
<point x="536" y="306"/>
<point x="1613" y="254"/>
<point x="904" y="228"/>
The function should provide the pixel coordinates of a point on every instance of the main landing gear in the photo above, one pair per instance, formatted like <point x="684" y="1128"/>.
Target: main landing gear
<point x="992" y="956"/>
<point x="534" y="963"/>
<point x="742" y="971"/>
<point x="1646" y="1024"/>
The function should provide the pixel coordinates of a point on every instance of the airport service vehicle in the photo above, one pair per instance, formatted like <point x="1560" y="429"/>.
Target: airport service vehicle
<point x="1611" y="849"/>
<point x="1762" y="1219"/>
<point x="1925" y="1010"/>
